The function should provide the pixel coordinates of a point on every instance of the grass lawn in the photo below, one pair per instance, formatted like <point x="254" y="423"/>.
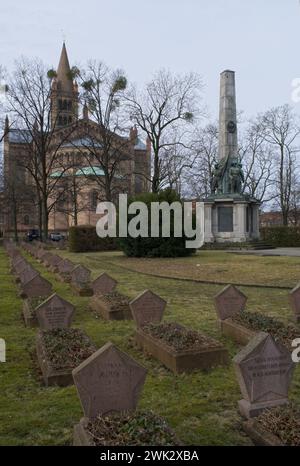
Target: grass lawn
<point x="201" y="407"/>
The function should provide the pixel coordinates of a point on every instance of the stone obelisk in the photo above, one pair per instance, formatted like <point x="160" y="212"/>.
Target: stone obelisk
<point x="228" y="143"/>
<point x="229" y="214"/>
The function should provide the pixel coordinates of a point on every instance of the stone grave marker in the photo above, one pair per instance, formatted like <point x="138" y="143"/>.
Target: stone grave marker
<point x="80" y="275"/>
<point x="229" y="302"/>
<point x="65" y="266"/>
<point x="54" y="312"/>
<point x="147" y="307"/>
<point x="104" y="284"/>
<point x="294" y="299"/>
<point x="27" y="274"/>
<point x="37" y="286"/>
<point x="109" y="380"/>
<point x="264" y="371"/>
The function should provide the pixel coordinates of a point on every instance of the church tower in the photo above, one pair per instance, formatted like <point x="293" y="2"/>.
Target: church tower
<point x="64" y="94"/>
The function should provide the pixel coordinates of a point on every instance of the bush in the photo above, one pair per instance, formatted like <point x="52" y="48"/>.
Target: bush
<point x="281" y="236"/>
<point x="156" y="247"/>
<point x="83" y="238"/>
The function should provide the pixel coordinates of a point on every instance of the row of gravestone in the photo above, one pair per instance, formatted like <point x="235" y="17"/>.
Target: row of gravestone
<point x="110" y="380"/>
<point x="230" y="301"/>
<point x="77" y="275"/>
<point x="264" y="367"/>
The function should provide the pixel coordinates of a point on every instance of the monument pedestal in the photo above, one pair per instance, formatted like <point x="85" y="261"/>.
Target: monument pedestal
<point x="232" y="219"/>
<point x="249" y="410"/>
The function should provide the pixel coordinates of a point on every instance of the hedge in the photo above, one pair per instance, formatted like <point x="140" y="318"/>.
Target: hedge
<point x="281" y="236"/>
<point x="156" y="247"/>
<point x="83" y="238"/>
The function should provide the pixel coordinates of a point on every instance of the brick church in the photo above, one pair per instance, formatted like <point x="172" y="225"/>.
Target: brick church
<point x="73" y="133"/>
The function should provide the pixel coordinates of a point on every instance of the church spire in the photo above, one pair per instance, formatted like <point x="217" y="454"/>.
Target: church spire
<point x="64" y="94"/>
<point x="64" y="71"/>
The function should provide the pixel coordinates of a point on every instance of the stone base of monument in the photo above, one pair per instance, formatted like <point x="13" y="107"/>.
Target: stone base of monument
<point x="81" y="438"/>
<point x="51" y="376"/>
<point x="29" y="315"/>
<point x="240" y="334"/>
<point x="109" y="310"/>
<point x="82" y="290"/>
<point x="259" y="436"/>
<point x="249" y="410"/>
<point x="181" y="361"/>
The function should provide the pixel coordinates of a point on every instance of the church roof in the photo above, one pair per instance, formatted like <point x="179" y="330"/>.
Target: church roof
<point x="83" y="171"/>
<point x="19" y="136"/>
<point x="82" y="142"/>
<point x="140" y="145"/>
<point x="63" y="71"/>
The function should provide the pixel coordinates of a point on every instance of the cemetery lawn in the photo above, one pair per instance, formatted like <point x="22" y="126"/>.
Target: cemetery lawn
<point x="200" y="407"/>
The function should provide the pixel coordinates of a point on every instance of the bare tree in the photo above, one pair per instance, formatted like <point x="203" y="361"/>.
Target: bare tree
<point x="29" y="101"/>
<point x="198" y="178"/>
<point x="105" y="145"/>
<point x="281" y="130"/>
<point x="257" y="158"/>
<point x="168" y="106"/>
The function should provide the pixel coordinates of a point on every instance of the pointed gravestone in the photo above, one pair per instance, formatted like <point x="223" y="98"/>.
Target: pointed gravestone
<point x="147" y="307"/>
<point x="294" y="298"/>
<point x="264" y="371"/>
<point x="27" y="274"/>
<point x="104" y="284"/>
<point x="109" y="380"/>
<point x="36" y="287"/>
<point x="80" y="275"/>
<point x="55" y="312"/>
<point x="229" y="302"/>
<point x="65" y="266"/>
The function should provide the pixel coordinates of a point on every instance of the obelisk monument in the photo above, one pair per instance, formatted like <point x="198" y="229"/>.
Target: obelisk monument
<point x="230" y="215"/>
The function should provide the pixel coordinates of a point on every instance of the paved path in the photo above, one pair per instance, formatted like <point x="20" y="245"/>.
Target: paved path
<point x="291" y="252"/>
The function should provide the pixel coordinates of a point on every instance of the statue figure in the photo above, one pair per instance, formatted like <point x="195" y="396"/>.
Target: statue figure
<point x="236" y="177"/>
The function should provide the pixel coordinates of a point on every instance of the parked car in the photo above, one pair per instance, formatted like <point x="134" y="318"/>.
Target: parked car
<point x="33" y="234"/>
<point x="56" y="236"/>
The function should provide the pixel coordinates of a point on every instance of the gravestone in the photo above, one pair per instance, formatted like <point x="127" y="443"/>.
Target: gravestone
<point x="229" y="302"/>
<point x="36" y="287"/>
<point x="147" y="307"/>
<point x="80" y="275"/>
<point x="46" y="258"/>
<point x="109" y="380"/>
<point x="55" y="312"/>
<point x="27" y="274"/>
<point x="54" y="260"/>
<point x="65" y="266"/>
<point x="20" y="266"/>
<point x="104" y="284"/>
<point x="264" y="371"/>
<point x="294" y="298"/>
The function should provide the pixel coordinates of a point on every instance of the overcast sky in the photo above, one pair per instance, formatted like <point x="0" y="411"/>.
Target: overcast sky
<point x="259" y="39"/>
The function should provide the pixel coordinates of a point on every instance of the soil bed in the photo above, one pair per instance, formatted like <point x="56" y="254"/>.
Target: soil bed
<point x="276" y="426"/>
<point x="180" y="338"/>
<point x="259" y="322"/>
<point x="111" y="306"/>
<point x="131" y="429"/>
<point x="66" y="348"/>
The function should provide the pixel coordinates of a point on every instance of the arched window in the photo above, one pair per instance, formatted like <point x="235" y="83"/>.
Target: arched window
<point x="94" y="200"/>
<point x="69" y="105"/>
<point x="60" y="104"/>
<point x="60" y="121"/>
<point x="65" y="120"/>
<point x="70" y="120"/>
<point x="26" y="220"/>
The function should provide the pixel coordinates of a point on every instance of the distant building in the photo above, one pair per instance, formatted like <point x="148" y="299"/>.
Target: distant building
<point x="270" y="219"/>
<point x="133" y="170"/>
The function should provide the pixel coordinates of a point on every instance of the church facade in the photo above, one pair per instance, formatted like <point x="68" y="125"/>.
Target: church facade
<point x="77" y="174"/>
